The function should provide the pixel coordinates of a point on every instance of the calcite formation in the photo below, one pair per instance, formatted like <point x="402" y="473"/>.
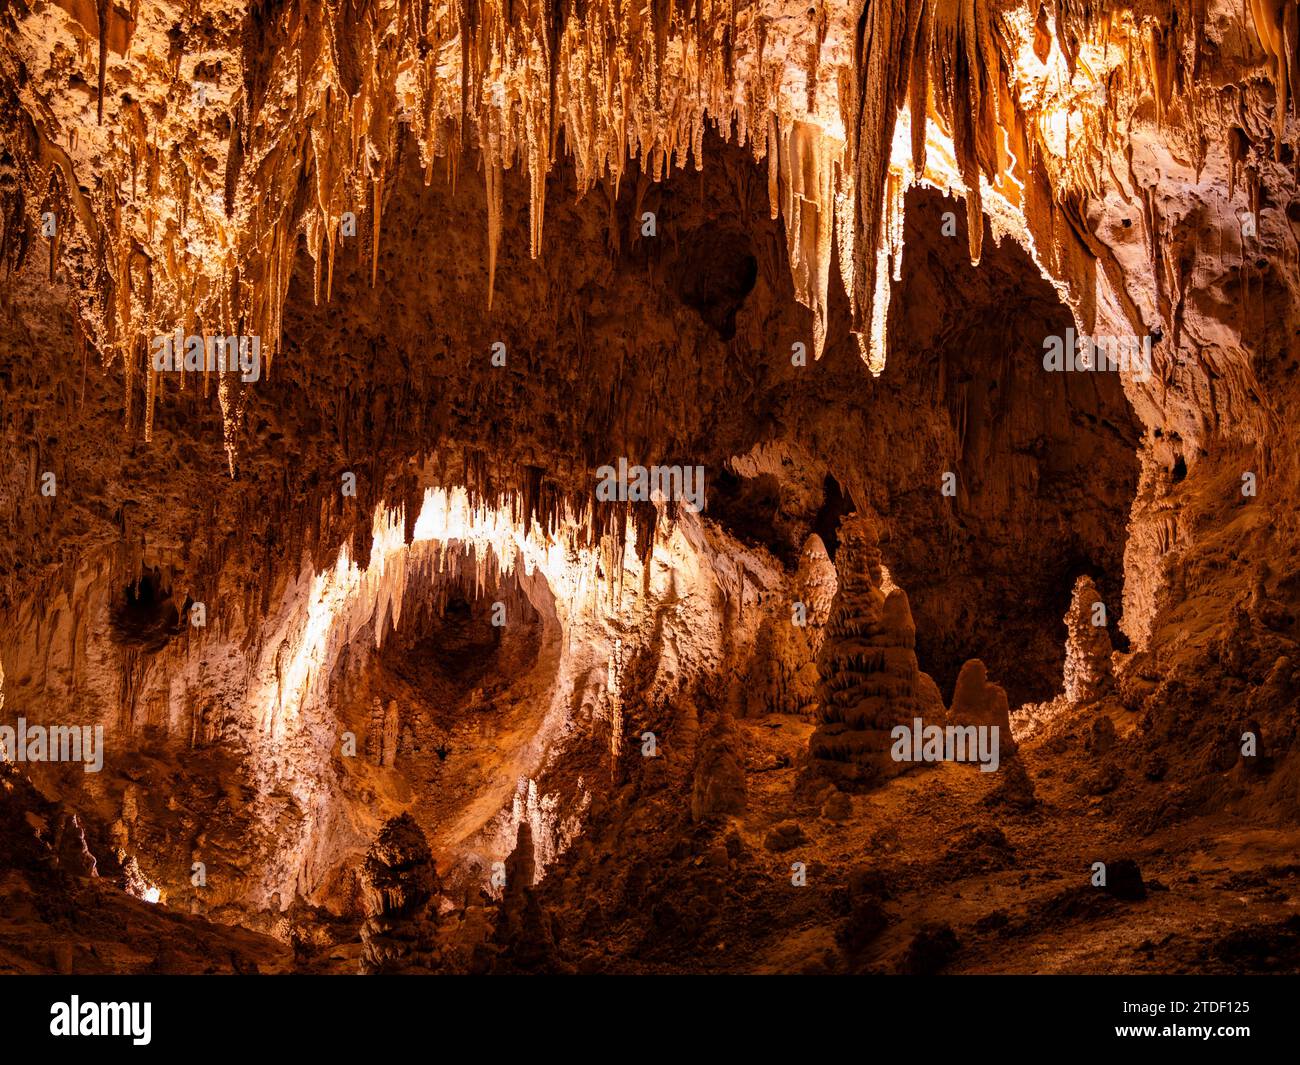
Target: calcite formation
<point x="1088" y="673"/>
<point x="210" y="162"/>
<point x="319" y="322"/>
<point x="870" y="680"/>
<point x="401" y="879"/>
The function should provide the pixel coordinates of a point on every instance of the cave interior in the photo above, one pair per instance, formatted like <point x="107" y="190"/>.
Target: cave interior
<point x="634" y="419"/>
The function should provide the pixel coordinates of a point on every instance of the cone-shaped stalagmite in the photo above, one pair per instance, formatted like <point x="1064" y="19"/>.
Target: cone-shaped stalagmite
<point x="815" y="582"/>
<point x="870" y="681"/>
<point x="401" y="881"/>
<point x="1087" y="646"/>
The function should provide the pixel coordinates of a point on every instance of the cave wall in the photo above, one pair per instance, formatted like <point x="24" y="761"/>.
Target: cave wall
<point x="672" y="348"/>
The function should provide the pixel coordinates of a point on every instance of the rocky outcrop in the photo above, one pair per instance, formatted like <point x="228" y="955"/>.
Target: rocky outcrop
<point x="870" y="681"/>
<point x="782" y="677"/>
<point x="60" y="914"/>
<point x="400" y="884"/>
<point x="1088" y="674"/>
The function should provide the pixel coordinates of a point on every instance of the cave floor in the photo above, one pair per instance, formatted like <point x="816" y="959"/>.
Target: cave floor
<point x="1222" y="891"/>
<point x="1013" y="885"/>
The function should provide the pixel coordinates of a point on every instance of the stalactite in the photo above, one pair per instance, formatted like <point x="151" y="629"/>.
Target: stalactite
<point x="621" y="84"/>
<point x="493" y="177"/>
<point x="1277" y="23"/>
<point x="374" y="245"/>
<point x="807" y="162"/>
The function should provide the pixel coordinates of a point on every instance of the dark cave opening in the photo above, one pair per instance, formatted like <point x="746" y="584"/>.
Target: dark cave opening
<point x="1044" y="463"/>
<point x="716" y="273"/>
<point x="827" y="522"/>
<point x="459" y="643"/>
<point x="750" y="508"/>
<point x="144" y="615"/>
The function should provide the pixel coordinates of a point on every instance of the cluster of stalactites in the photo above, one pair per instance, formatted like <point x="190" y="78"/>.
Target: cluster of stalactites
<point x="195" y="223"/>
<point x="604" y="82"/>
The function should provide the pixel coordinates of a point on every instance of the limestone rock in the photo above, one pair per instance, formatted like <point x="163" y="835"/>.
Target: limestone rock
<point x="685" y="741"/>
<point x="931" y="949"/>
<point x="521" y="870"/>
<point x="388" y="752"/>
<point x="384" y="732"/>
<point x="400" y="880"/>
<point x="1088" y="674"/>
<point x="1124" y="880"/>
<point x="719" y="774"/>
<point x="1015" y="788"/>
<point x="870" y="681"/>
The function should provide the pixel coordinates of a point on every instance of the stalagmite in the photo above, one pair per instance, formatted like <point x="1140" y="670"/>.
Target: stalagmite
<point x="977" y="701"/>
<point x="719" y="786"/>
<point x="815" y="583"/>
<point x="870" y="681"/>
<point x="399" y="935"/>
<point x="492" y="175"/>
<point x="1087" y="645"/>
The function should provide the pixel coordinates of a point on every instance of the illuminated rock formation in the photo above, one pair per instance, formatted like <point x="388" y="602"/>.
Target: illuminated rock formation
<point x="1087" y="648"/>
<point x="486" y="250"/>
<point x="870" y="681"/>
<point x="844" y="116"/>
